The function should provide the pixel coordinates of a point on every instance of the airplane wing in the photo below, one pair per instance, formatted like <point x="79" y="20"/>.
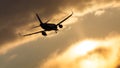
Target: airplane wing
<point x="65" y="19"/>
<point x="32" y="33"/>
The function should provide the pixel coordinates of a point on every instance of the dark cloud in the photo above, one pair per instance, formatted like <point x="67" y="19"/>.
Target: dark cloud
<point x="14" y="14"/>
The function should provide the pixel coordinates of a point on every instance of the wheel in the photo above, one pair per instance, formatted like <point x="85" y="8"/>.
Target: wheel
<point x="61" y="26"/>
<point x="44" y="33"/>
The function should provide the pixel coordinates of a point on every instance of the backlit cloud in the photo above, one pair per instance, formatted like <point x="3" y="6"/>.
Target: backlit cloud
<point x="99" y="12"/>
<point x="90" y="53"/>
<point x="18" y="14"/>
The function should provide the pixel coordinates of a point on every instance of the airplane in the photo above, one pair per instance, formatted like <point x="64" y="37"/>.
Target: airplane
<point x="46" y="26"/>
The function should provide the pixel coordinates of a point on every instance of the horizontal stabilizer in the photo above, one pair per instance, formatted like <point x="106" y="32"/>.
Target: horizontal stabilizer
<point x="32" y="33"/>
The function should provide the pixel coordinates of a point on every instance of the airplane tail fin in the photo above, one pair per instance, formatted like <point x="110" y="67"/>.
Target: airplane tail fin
<point x="39" y="18"/>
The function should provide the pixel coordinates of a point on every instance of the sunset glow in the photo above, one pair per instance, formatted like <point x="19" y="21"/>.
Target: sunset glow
<point x="88" y="54"/>
<point x="60" y="34"/>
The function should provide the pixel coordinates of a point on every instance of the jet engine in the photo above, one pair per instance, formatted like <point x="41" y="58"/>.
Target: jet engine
<point x="60" y="26"/>
<point x="44" y="33"/>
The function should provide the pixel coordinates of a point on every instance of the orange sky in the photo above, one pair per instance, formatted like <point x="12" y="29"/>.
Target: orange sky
<point x="92" y="31"/>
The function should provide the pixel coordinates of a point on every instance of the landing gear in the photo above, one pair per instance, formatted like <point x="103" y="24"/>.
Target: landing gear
<point x="56" y="30"/>
<point x="60" y="26"/>
<point x="44" y="33"/>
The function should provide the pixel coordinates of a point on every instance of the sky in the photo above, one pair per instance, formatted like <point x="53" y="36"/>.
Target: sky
<point x="89" y="39"/>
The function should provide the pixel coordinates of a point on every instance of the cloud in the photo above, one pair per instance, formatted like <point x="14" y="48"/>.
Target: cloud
<point x="99" y="12"/>
<point x="89" y="53"/>
<point x="17" y="14"/>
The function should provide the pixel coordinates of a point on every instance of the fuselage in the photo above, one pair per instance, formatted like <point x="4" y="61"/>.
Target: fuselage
<point x="48" y="26"/>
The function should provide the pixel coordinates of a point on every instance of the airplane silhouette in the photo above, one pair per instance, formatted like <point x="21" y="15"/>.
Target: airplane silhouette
<point x="48" y="26"/>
